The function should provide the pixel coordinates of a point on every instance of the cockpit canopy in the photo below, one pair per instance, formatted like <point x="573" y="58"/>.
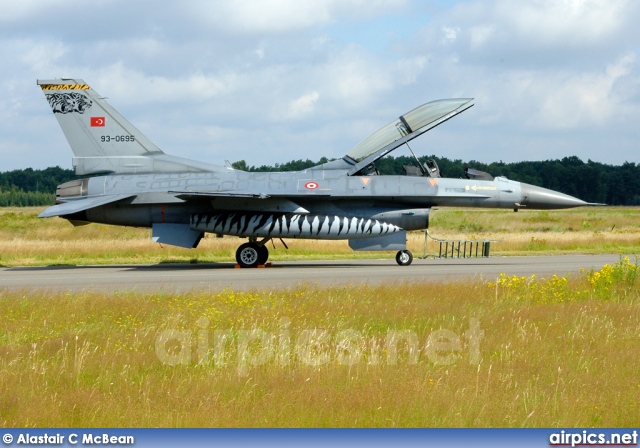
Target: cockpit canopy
<point x="407" y="127"/>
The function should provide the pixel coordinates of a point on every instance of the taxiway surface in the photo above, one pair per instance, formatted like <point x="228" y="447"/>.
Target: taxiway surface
<point x="284" y="274"/>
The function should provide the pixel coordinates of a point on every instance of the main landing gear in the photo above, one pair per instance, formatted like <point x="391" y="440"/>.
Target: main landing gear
<point x="404" y="257"/>
<point x="252" y="254"/>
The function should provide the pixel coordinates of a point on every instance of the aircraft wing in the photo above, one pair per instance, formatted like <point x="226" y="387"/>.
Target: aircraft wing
<point x="245" y="201"/>
<point x="226" y="194"/>
<point x="216" y="194"/>
<point x="79" y="205"/>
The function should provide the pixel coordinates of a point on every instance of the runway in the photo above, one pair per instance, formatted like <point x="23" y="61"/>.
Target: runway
<point x="217" y="276"/>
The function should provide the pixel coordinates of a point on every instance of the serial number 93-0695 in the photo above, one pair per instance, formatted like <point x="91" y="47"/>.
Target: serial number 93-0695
<point x="117" y="138"/>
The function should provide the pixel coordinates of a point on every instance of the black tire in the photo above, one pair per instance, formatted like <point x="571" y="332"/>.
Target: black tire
<point x="248" y="255"/>
<point x="404" y="257"/>
<point x="264" y="255"/>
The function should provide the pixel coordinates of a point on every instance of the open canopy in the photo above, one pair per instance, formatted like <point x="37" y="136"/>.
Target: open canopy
<point x="407" y="127"/>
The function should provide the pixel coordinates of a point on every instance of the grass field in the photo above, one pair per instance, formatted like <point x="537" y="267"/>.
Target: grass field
<point x="27" y="240"/>
<point x="558" y="352"/>
<point x="516" y="351"/>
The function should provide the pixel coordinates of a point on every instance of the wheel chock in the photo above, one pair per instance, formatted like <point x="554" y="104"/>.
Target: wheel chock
<point x="267" y="265"/>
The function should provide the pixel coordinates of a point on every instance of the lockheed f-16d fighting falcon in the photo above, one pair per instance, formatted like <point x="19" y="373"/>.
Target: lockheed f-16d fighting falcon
<point x="134" y="183"/>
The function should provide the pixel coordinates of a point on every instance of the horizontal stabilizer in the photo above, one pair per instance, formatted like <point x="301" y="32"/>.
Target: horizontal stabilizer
<point x="79" y="205"/>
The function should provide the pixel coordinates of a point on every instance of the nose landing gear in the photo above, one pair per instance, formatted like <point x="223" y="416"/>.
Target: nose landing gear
<point x="404" y="257"/>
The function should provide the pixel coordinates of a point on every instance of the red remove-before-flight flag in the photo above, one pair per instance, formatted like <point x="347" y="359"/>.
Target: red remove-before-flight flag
<point x="97" y="121"/>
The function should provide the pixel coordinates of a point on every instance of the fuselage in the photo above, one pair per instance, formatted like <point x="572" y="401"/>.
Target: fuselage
<point x="314" y="199"/>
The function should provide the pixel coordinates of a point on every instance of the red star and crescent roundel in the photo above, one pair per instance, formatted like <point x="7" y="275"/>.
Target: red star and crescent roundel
<point x="311" y="185"/>
<point x="97" y="121"/>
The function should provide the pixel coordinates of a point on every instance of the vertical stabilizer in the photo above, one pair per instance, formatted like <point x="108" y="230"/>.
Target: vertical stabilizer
<point x="92" y="127"/>
<point x="102" y="140"/>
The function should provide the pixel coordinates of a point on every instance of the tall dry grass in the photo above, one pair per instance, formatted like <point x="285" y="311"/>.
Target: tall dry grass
<point x="555" y="352"/>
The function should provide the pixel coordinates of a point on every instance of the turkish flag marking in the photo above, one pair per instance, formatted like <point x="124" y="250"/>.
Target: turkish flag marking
<point x="97" y="121"/>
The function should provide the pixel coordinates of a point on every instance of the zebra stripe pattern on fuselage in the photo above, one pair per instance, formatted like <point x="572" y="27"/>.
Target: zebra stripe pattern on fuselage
<point x="291" y="225"/>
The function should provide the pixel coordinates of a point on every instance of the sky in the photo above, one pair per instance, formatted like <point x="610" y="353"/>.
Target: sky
<point x="269" y="81"/>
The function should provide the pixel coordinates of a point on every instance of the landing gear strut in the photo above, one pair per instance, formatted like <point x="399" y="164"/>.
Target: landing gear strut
<point x="252" y="254"/>
<point x="404" y="257"/>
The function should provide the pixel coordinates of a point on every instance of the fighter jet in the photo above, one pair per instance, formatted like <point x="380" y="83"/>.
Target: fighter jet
<point x="134" y="183"/>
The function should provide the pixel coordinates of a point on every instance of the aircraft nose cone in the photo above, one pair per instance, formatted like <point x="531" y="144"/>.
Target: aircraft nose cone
<point x="544" y="199"/>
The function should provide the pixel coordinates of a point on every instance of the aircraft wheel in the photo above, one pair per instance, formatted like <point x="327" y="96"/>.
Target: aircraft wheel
<point x="404" y="257"/>
<point x="248" y="255"/>
<point x="264" y="255"/>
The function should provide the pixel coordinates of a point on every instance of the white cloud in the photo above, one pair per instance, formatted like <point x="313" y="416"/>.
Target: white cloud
<point x="41" y="56"/>
<point x="303" y="106"/>
<point x="449" y="34"/>
<point x="258" y="16"/>
<point x="550" y="100"/>
<point x="24" y="9"/>
<point x="358" y="79"/>
<point x="554" y="21"/>
<point x="552" y="25"/>
<point x="586" y="99"/>
<point x="481" y="35"/>
<point x="126" y="86"/>
<point x="281" y="16"/>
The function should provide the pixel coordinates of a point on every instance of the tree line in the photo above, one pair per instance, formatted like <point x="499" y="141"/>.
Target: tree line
<point x="29" y="187"/>
<point x="590" y="181"/>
